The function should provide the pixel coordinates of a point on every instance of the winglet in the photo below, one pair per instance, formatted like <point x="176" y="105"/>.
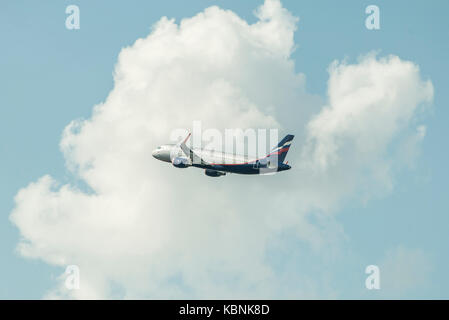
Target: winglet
<point x="187" y="138"/>
<point x="194" y="158"/>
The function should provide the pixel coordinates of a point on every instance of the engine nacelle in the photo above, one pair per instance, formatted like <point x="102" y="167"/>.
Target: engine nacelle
<point x="213" y="173"/>
<point x="180" y="162"/>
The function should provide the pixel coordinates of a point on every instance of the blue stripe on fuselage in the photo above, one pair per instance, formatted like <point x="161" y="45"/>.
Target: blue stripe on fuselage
<point x="247" y="168"/>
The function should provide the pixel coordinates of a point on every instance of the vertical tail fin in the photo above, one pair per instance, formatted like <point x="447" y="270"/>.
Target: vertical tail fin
<point x="282" y="148"/>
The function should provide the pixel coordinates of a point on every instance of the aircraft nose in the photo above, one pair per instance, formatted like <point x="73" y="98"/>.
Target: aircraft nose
<point x="155" y="153"/>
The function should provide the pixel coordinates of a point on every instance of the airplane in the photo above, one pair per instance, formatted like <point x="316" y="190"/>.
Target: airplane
<point x="217" y="164"/>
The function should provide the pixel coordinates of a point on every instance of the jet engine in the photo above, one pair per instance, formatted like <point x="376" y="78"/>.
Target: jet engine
<point x="180" y="162"/>
<point x="213" y="173"/>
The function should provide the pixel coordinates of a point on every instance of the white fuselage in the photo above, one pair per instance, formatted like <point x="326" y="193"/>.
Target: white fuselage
<point x="169" y="152"/>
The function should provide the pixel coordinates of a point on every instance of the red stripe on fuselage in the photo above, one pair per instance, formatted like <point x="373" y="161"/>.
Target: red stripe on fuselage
<point x="237" y="164"/>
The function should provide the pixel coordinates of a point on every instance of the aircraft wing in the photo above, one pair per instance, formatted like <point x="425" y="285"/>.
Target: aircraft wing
<point x="194" y="158"/>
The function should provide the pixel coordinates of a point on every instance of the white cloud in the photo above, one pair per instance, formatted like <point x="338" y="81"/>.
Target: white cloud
<point x="371" y="114"/>
<point x="156" y="231"/>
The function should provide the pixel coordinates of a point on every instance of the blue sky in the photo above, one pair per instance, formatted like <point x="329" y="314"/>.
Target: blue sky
<point x="51" y="76"/>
